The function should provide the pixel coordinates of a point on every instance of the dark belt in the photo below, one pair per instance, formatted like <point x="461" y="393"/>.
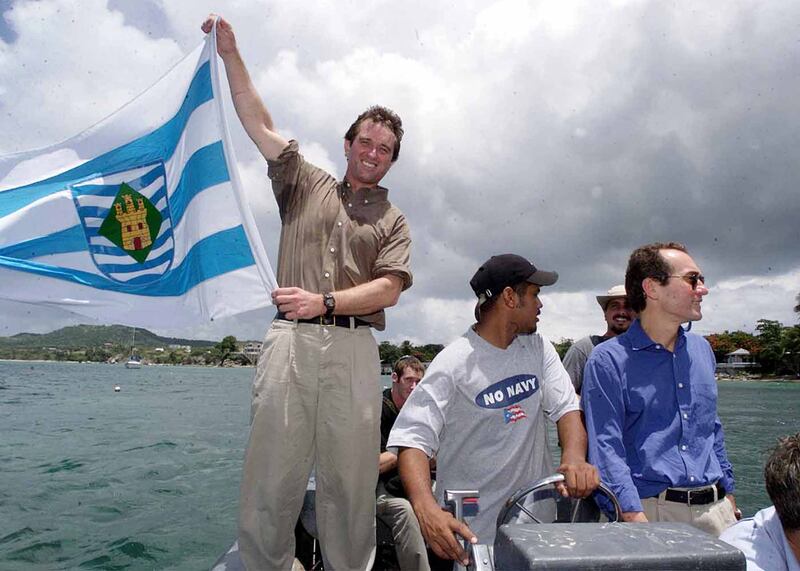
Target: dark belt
<point x="335" y="320"/>
<point x="697" y="497"/>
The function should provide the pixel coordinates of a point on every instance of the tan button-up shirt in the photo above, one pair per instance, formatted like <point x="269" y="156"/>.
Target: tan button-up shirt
<point x="333" y="237"/>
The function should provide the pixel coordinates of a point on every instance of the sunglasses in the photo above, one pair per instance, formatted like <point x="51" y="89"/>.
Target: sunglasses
<point x="692" y="278"/>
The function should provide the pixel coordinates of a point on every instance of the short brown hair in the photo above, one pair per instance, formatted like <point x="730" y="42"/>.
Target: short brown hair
<point x="647" y="262"/>
<point x="782" y="479"/>
<point x="383" y="116"/>
<point x="408" y="361"/>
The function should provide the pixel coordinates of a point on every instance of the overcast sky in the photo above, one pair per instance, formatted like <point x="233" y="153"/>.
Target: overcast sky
<point x="568" y="132"/>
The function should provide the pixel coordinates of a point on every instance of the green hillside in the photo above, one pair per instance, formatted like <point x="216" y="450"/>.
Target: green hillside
<point x="86" y="336"/>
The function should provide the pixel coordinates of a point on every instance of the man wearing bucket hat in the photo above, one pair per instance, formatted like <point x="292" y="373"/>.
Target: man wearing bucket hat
<point x="481" y="408"/>
<point x="618" y="315"/>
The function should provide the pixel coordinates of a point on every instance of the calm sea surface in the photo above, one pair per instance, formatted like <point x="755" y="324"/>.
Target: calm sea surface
<point x="148" y="478"/>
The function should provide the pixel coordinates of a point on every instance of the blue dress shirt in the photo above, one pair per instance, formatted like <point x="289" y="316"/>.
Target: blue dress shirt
<point x="651" y="416"/>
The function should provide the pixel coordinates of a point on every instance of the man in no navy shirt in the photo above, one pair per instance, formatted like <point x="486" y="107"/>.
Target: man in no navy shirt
<point x="481" y="411"/>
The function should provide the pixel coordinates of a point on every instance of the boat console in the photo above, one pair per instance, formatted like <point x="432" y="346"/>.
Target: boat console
<point x="537" y="528"/>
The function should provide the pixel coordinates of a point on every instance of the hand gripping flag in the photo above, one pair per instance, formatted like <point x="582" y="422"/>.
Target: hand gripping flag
<point x="140" y="219"/>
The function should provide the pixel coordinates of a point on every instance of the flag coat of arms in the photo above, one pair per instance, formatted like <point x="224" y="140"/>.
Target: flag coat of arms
<point x="140" y="219"/>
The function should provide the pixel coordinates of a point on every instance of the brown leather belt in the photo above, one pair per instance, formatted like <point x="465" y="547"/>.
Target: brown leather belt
<point x="335" y="320"/>
<point x="704" y="495"/>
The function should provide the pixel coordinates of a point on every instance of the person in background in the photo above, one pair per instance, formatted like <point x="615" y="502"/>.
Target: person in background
<point x="481" y="411"/>
<point x="343" y="258"/>
<point x="770" y="540"/>
<point x="618" y="316"/>
<point x="650" y="401"/>
<point x="393" y="507"/>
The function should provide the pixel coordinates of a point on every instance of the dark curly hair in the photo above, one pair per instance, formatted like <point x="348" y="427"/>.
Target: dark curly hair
<point x="782" y="478"/>
<point x="384" y="116"/>
<point x="647" y="262"/>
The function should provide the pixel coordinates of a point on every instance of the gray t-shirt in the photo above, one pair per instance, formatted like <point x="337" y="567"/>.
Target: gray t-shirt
<point x="576" y="357"/>
<point x="481" y="410"/>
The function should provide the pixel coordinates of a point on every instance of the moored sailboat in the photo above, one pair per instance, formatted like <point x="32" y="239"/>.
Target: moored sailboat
<point x="134" y="361"/>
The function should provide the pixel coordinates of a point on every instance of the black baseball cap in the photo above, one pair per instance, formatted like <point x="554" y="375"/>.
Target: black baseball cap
<point x="507" y="270"/>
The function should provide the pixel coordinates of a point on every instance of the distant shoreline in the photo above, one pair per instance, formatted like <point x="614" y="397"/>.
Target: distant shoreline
<point x="122" y="364"/>
<point x="719" y="378"/>
<point x="727" y="379"/>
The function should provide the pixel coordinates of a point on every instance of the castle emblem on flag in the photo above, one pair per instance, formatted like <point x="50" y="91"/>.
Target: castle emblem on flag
<point x="133" y="221"/>
<point x="126" y="217"/>
<point x="132" y="226"/>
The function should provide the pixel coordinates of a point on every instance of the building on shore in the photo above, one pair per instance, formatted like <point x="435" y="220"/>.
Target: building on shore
<point x="738" y="360"/>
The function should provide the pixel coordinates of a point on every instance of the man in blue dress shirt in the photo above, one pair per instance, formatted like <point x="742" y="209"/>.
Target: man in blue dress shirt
<point x="650" y="400"/>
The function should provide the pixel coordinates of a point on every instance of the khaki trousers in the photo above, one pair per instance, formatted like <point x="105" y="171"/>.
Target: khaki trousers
<point x="316" y="400"/>
<point x="409" y="545"/>
<point x="712" y="518"/>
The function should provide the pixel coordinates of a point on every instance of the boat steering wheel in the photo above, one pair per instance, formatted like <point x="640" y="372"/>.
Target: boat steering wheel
<point x="517" y="500"/>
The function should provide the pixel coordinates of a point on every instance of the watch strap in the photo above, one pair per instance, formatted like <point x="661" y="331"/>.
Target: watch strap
<point x="330" y="303"/>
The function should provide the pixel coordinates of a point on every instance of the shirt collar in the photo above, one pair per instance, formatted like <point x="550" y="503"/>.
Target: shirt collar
<point x="371" y="194"/>
<point x="639" y="340"/>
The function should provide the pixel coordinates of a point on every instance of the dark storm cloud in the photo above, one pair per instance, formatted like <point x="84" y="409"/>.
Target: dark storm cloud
<point x="686" y="142"/>
<point x="568" y="132"/>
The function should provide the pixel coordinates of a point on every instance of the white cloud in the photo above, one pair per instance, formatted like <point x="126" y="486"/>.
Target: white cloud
<point x="72" y="64"/>
<point x="738" y="303"/>
<point x="569" y="132"/>
<point x="431" y="320"/>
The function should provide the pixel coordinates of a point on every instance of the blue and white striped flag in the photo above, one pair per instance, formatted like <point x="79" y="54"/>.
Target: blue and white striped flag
<point x="141" y="219"/>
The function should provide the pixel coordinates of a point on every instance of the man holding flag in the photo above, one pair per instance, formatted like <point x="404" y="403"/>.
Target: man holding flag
<point x="139" y="219"/>
<point x="343" y="258"/>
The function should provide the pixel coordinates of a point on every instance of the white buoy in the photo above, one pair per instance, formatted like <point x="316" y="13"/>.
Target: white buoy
<point x="116" y="388"/>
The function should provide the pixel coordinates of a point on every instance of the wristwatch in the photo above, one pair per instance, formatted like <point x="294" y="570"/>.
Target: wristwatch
<point x="330" y="304"/>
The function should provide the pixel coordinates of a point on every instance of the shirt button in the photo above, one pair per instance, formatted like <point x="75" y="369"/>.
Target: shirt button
<point x="333" y="250"/>
<point x="327" y="275"/>
<point x="339" y="223"/>
<point x="691" y="478"/>
<point x="685" y="415"/>
<point x="350" y="205"/>
<point x="683" y="446"/>
<point x="680" y="385"/>
<point x="366" y="201"/>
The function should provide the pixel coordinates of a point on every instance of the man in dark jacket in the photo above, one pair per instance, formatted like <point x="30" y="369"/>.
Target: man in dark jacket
<point x="392" y="506"/>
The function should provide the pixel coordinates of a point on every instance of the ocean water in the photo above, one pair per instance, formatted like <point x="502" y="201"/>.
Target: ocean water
<point x="147" y="478"/>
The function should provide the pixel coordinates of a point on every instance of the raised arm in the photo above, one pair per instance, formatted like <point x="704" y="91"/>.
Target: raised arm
<point x="252" y="113"/>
